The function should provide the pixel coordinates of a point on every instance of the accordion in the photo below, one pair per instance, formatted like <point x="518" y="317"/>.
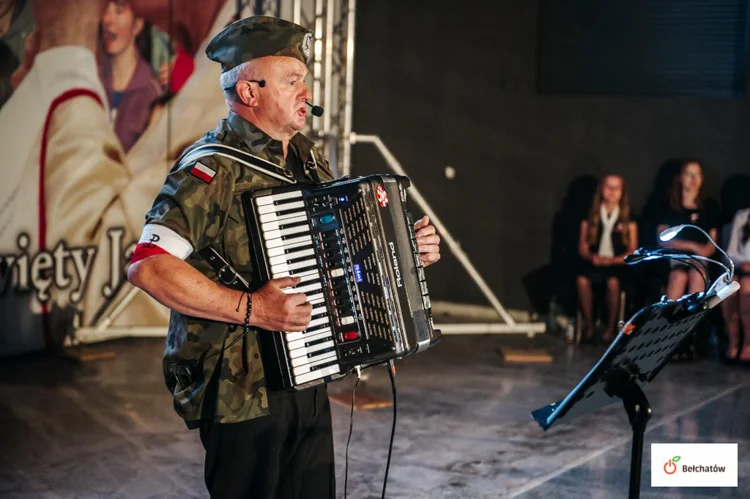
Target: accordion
<point x="353" y="245"/>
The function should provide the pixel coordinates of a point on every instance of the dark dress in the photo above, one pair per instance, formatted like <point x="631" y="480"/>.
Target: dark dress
<point x="600" y="274"/>
<point x="706" y="217"/>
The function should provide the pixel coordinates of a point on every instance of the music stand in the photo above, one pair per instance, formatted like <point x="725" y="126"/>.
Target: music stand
<point x="642" y="348"/>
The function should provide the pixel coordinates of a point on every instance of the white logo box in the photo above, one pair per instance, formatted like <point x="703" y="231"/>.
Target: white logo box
<point x="694" y="465"/>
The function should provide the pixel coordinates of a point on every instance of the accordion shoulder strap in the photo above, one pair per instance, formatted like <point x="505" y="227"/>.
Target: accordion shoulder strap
<point x="226" y="273"/>
<point x="253" y="162"/>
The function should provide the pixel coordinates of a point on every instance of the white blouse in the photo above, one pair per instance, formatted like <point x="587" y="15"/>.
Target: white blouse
<point x="738" y="251"/>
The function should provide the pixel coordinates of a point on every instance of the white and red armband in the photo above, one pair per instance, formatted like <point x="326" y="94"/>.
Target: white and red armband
<point x="157" y="239"/>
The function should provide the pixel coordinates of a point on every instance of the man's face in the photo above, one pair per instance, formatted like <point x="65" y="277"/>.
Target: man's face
<point x="282" y="101"/>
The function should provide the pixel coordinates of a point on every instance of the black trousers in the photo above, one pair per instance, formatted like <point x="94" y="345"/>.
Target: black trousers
<point x="287" y="454"/>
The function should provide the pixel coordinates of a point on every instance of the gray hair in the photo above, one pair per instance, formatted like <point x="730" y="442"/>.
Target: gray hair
<point x="231" y="77"/>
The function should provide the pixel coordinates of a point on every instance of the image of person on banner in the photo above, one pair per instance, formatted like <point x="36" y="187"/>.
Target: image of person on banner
<point x="128" y="78"/>
<point x="16" y="26"/>
<point x="73" y="199"/>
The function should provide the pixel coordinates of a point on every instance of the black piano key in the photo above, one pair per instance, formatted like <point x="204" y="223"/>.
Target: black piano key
<point x="292" y="225"/>
<point x="282" y="212"/>
<point x="324" y="365"/>
<point x="298" y="248"/>
<point x="302" y="270"/>
<point x="292" y="236"/>
<point x="313" y="329"/>
<point x="318" y="342"/>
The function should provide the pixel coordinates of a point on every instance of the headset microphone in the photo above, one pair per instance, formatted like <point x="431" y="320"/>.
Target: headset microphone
<point x="316" y="110"/>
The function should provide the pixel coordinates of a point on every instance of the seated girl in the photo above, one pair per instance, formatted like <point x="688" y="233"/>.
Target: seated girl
<point x="605" y="238"/>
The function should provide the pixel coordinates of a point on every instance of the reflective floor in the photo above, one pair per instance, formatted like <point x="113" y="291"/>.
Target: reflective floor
<point x="107" y="429"/>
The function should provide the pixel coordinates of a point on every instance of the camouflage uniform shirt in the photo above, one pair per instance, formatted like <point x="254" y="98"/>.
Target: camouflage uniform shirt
<point x="207" y="383"/>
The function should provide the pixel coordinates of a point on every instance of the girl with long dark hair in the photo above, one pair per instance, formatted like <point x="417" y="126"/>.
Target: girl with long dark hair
<point x="688" y="205"/>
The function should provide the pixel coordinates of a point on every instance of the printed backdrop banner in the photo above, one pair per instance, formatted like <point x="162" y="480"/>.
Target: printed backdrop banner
<point x="84" y="154"/>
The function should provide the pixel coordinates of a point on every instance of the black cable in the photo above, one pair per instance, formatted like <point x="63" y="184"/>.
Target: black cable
<point x="702" y="263"/>
<point x="245" y="329"/>
<point x="349" y="438"/>
<point x="392" y="374"/>
<point x="672" y="254"/>
<point x="688" y="262"/>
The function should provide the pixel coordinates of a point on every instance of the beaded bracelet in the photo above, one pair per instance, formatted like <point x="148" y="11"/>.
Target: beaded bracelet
<point x="249" y="310"/>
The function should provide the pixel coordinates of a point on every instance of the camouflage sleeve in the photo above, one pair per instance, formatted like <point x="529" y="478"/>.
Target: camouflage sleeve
<point x="192" y="205"/>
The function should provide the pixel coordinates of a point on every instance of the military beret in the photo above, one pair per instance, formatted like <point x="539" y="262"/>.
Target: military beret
<point x="259" y="36"/>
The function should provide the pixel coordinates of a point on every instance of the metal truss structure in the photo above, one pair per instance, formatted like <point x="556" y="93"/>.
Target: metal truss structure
<point x="331" y="77"/>
<point x="331" y="80"/>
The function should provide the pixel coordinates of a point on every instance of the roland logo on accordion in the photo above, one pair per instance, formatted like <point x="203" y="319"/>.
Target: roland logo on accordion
<point x="396" y="269"/>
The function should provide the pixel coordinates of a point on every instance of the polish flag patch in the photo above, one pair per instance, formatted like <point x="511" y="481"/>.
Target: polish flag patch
<point x="203" y="172"/>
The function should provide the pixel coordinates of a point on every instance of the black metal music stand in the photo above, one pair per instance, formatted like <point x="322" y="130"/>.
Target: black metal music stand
<point x="642" y="348"/>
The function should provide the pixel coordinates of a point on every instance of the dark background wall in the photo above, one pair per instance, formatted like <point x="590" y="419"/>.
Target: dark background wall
<point x="455" y="83"/>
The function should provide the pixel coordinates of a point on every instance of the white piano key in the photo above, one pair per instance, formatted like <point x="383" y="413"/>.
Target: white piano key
<point x="315" y="299"/>
<point x="280" y="250"/>
<point x="280" y="270"/>
<point x="313" y="354"/>
<point x="289" y="337"/>
<point x="320" y="373"/>
<point x="309" y="275"/>
<point x="339" y="272"/>
<point x="305" y="351"/>
<point x="283" y="267"/>
<point x="318" y="322"/>
<point x="270" y="208"/>
<point x="306" y="275"/>
<point x="275" y="234"/>
<point x="321" y="309"/>
<point x="269" y="226"/>
<point x="306" y="339"/>
<point x="286" y="243"/>
<point x="291" y="256"/>
<point x="261" y="201"/>
<point x="304" y="289"/>
<point x="312" y="262"/>
<point x="303" y="345"/>
<point x="270" y="217"/>
<point x="293" y="345"/>
<point x="323" y="359"/>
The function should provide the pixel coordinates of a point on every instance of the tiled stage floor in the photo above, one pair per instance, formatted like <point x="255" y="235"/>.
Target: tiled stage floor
<point x="106" y="429"/>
